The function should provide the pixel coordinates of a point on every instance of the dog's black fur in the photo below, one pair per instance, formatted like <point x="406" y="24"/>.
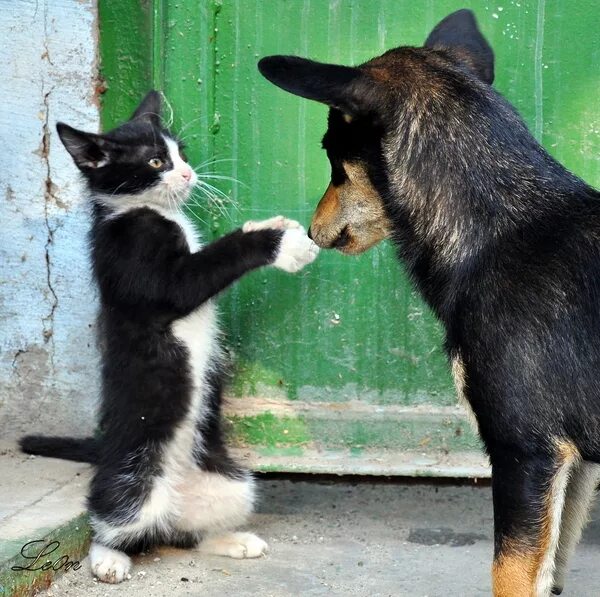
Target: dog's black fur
<point x="504" y="244"/>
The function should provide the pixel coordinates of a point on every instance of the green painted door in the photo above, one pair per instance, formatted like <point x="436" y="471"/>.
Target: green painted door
<point x="340" y="368"/>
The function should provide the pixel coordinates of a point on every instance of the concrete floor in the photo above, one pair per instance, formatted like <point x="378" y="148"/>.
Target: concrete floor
<point x="347" y="538"/>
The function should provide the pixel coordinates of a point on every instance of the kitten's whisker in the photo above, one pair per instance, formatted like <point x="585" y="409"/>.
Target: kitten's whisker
<point x="214" y="199"/>
<point x="212" y="175"/>
<point x="167" y="103"/>
<point x="187" y="125"/>
<point x="195" y="203"/>
<point x="170" y="202"/>
<point x="115" y="191"/>
<point x="212" y="161"/>
<point x="190" y="204"/>
<point x="179" y="197"/>
<point x="194" y="215"/>
<point x="217" y="195"/>
<point x="214" y="190"/>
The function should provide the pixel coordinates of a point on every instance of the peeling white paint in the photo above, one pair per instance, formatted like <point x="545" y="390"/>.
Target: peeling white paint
<point x="48" y="360"/>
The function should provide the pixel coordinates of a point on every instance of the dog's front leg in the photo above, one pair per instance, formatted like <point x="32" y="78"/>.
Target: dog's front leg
<point x="529" y="496"/>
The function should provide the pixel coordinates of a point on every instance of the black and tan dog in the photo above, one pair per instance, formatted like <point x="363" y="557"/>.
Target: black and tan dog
<point x="504" y="244"/>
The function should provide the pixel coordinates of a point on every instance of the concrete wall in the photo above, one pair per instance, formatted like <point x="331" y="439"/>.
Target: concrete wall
<point x="48" y="361"/>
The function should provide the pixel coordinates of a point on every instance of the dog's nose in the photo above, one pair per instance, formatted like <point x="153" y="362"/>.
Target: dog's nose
<point x="309" y="233"/>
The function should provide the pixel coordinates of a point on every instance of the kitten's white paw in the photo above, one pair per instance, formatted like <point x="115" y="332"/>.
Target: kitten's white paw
<point x="109" y="565"/>
<point x="278" y="223"/>
<point x="234" y="545"/>
<point x="295" y="251"/>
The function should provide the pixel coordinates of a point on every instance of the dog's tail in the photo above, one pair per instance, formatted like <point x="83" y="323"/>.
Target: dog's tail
<point x="84" y="449"/>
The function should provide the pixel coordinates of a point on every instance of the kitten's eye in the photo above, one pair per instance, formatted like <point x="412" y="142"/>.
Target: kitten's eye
<point x="182" y="155"/>
<point x="155" y="163"/>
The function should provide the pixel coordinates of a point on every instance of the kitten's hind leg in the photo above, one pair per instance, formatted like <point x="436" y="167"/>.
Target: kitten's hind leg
<point x="234" y="545"/>
<point x="109" y="565"/>
<point x="213" y="504"/>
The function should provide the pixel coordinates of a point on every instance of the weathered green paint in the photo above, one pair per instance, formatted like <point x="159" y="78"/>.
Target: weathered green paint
<point x="407" y="433"/>
<point x="373" y="461"/>
<point x="347" y="329"/>
<point x="270" y="430"/>
<point x="124" y="52"/>
<point x="74" y="539"/>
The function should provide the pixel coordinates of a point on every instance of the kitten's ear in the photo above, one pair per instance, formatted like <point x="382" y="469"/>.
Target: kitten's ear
<point x="343" y="87"/>
<point x="87" y="149"/>
<point x="149" y="108"/>
<point x="459" y="32"/>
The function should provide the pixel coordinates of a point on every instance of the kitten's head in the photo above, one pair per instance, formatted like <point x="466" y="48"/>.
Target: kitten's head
<point x="140" y="158"/>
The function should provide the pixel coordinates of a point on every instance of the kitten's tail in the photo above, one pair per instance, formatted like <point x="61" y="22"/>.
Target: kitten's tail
<point x="84" y="449"/>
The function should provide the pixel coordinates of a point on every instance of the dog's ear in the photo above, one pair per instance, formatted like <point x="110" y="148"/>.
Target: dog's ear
<point x="149" y="108"/>
<point x="343" y="87"/>
<point x="459" y="32"/>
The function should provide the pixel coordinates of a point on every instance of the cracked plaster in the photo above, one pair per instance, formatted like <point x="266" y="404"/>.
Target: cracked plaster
<point x="48" y="361"/>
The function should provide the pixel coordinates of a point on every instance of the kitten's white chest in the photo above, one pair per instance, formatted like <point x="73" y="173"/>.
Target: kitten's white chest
<point x="198" y="330"/>
<point x="191" y="234"/>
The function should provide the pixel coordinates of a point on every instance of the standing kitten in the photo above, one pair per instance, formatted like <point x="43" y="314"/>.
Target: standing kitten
<point x="163" y="474"/>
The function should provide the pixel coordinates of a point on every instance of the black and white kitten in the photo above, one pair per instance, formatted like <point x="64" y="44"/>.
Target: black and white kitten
<point x="162" y="471"/>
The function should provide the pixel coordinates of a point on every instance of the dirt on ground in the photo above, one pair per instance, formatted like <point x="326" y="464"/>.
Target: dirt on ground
<point x="345" y="538"/>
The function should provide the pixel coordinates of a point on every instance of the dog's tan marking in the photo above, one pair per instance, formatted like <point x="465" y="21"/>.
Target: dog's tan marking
<point x="529" y="571"/>
<point x="460" y="382"/>
<point x="355" y="208"/>
<point x="513" y="575"/>
<point x="567" y="460"/>
<point x="327" y="210"/>
<point x="578" y="501"/>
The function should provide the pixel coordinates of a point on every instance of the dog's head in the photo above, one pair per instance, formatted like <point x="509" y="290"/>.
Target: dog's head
<point x="382" y="104"/>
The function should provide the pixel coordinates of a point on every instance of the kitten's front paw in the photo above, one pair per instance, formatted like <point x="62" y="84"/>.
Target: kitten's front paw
<point x="235" y="545"/>
<point x="109" y="565"/>
<point x="277" y="223"/>
<point x="295" y="251"/>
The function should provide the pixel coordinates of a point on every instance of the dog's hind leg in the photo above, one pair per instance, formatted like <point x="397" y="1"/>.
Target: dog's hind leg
<point x="578" y="500"/>
<point x="529" y="495"/>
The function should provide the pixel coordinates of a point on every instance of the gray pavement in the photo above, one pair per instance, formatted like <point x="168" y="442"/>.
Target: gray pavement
<point x="347" y="538"/>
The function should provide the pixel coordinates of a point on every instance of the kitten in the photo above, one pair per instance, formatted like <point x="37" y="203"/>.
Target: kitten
<point x="162" y="472"/>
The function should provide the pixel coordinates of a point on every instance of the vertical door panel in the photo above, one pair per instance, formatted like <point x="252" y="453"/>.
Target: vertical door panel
<point x="340" y="368"/>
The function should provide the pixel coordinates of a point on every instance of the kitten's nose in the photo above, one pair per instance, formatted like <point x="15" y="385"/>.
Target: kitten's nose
<point x="187" y="174"/>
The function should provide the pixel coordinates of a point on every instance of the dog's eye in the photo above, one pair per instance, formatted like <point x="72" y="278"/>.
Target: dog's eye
<point x="155" y="163"/>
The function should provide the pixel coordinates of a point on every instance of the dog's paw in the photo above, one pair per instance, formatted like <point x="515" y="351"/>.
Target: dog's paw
<point x="295" y="251"/>
<point x="234" y="545"/>
<point x="276" y="223"/>
<point x="109" y="565"/>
